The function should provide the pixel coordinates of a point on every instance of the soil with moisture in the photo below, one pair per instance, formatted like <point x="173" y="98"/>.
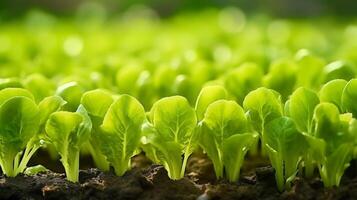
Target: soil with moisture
<point x="150" y="182"/>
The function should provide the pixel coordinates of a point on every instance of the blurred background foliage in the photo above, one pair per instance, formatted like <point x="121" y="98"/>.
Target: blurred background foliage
<point x="10" y="9"/>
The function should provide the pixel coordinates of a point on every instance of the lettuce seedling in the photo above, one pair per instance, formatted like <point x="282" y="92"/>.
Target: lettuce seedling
<point x="332" y="143"/>
<point x="262" y="106"/>
<point x="349" y="97"/>
<point x="170" y="134"/>
<point x="119" y="135"/>
<point x="309" y="69"/>
<point x="281" y="77"/>
<point x="40" y="86"/>
<point x="97" y="103"/>
<point x="208" y="95"/>
<point x="223" y="136"/>
<point x="47" y="106"/>
<point x="67" y="132"/>
<point x="285" y="146"/>
<point x="246" y="77"/>
<point x="301" y="109"/>
<point x="332" y="92"/>
<point x="19" y="122"/>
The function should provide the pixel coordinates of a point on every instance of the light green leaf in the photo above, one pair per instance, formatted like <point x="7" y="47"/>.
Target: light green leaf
<point x="10" y="83"/>
<point x="173" y="122"/>
<point x="281" y="77"/>
<point x="263" y="105"/>
<point x="19" y="122"/>
<point x="332" y="92"/>
<point x="208" y="95"/>
<point x="309" y="69"/>
<point x="47" y="106"/>
<point x="31" y="171"/>
<point x="7" y="93"/>
<point x="39" y="85"/>
<point x="301" y="108"/>
<point x="333" y="168"/>
<point x="121" y="132"/>
<point x="339" y="70"/>
<point x="285" y="146"/>
<point x="68" y="131"/>
<point x="174" y="119"/>
<point x="240" y="81"/>
<point x="225" y="118"/>
<point x="234" y="150"/>
<point x="349" y="97"/>
<point x="71" y="92"/>
<point x="327" y="119"/>
<point x="97" y="102"/>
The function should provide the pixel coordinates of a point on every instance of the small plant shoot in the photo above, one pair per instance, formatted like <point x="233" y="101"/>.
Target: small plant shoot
<point x="170" y="136"/>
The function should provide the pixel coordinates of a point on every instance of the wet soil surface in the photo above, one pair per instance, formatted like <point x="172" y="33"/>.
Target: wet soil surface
<point x="146" y="181"/>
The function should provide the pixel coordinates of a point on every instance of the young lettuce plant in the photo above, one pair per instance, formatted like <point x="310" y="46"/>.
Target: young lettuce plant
<point x="285" y="146"/>
<point x="301" y="109"/>
<point x="310" y="68"/>
<point x="67" y="132"/>
<point x="281" y="77"/>
<point x="332" y="143"/>
<point x="40" y="86"/>
<point x="119" y="135"/>
<point x="46" y="107"/>
<point x="19" y="122"/>
<point x="223" y="136"/>
<point x="97" y="103"/>
<point x="247" y="77"/>
<point x="170" y="134"/>
<point x="262" y="106"/>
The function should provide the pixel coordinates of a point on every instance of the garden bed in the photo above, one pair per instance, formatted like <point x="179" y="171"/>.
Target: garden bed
<point x="148" y="181"/>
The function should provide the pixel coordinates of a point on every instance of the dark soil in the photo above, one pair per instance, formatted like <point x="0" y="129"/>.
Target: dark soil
<point x="146" y="181"/>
